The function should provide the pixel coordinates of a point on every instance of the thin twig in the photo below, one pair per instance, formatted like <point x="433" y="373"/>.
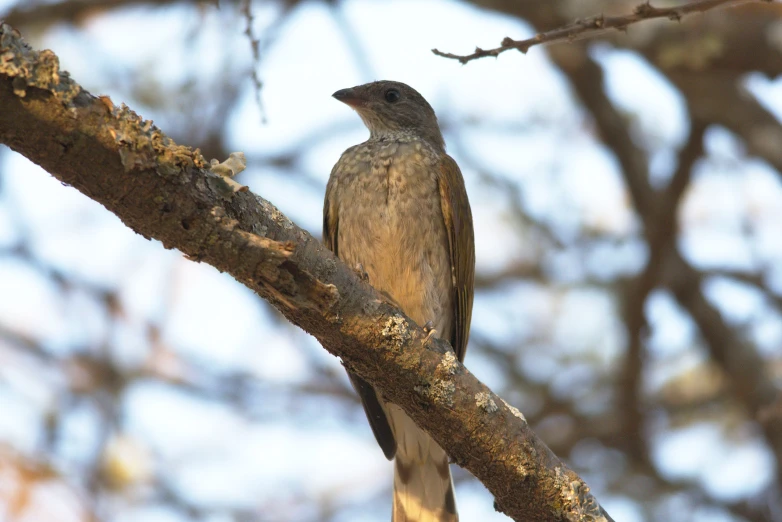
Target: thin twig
<point x="594" y="25"/>
<point x="255" y="45"/>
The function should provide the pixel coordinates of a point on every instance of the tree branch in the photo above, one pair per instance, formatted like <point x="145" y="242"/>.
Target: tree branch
<point x="160" y="189"/>
<point x="595" y="25"/>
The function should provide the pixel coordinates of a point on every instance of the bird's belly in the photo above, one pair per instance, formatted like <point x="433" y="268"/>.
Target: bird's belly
<point x="400" y="242"/>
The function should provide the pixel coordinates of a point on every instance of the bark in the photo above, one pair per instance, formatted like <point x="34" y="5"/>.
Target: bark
<point x="165" y="191"/>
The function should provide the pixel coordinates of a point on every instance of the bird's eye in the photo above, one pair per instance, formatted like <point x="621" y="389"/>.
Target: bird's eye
<point x="392" y="95"/>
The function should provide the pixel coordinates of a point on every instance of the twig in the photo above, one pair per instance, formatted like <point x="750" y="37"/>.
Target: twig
<point x="594" y="25"/>
<point x="255" y="46"/>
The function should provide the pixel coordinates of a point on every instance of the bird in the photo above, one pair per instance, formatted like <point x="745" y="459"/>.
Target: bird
<point x="396" y="209"/>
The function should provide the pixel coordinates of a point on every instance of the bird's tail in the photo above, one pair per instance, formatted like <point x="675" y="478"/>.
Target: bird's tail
<point x="423" y="489"/>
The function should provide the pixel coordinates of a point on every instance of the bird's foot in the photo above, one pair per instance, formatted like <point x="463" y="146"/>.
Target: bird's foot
<point x="361" y="273"/>
<point x="429" y="330"/>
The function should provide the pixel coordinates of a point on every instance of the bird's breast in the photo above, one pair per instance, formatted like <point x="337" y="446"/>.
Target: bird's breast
<point x="391" y="223"/>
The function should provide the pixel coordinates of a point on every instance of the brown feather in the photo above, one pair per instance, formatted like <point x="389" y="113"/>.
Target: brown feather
<point x="461" y="243"/>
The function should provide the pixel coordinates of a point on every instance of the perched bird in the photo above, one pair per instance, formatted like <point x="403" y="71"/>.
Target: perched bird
<point x="396" y="207"/>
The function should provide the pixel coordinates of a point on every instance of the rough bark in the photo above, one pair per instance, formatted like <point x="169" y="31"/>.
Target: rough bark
<point x="164" y="191"/>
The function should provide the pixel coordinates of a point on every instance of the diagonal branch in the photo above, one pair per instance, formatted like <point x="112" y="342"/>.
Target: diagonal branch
<point x="162" y="190"/>
<point x="595" y="25"/>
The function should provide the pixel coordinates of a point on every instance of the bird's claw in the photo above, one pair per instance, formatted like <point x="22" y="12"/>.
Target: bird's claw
<point x="362" y="274"/>
<point x="429" y="330"/>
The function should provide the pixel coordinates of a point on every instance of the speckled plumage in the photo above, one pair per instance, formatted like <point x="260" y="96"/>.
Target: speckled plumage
<point x="396" y="205"/>
<point x="390" y="221"/>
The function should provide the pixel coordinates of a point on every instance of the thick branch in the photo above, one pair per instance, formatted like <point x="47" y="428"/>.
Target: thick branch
<point x="595" y="25"/>
<point x="162" y="190"/>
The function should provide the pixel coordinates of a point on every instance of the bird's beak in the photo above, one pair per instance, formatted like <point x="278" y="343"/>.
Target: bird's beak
<point x="349" y="97"/>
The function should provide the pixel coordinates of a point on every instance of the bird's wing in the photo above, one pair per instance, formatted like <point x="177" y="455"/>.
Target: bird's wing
<point x="372" y="407"/>
<point x="461" y="243"/>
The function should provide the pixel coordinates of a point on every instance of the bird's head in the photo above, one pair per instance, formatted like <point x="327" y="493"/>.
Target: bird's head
<point x="388" y="108"/>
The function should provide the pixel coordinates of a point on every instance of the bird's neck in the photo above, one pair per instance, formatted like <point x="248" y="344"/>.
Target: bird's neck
<point x="405" y="136"/>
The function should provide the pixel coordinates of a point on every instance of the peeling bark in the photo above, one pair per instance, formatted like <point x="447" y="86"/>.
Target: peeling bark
<point x="165" y="191"/>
